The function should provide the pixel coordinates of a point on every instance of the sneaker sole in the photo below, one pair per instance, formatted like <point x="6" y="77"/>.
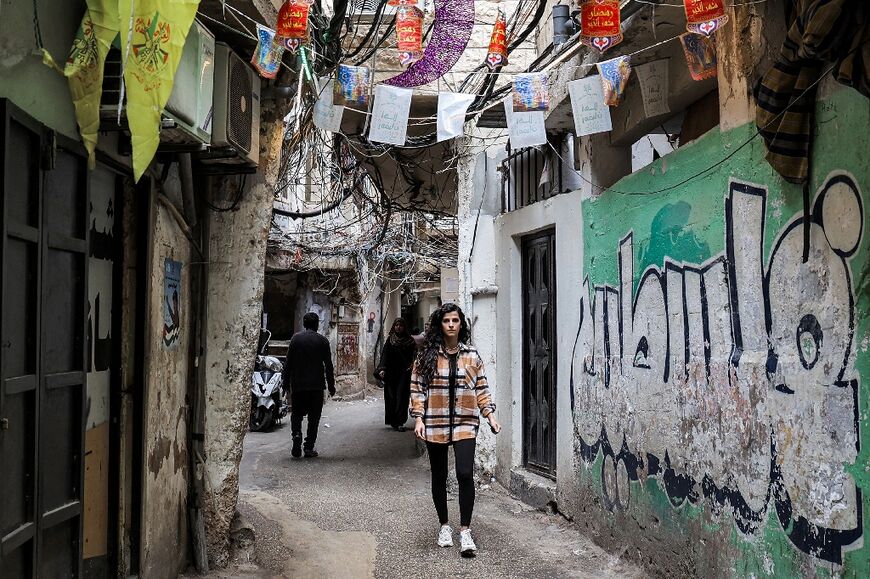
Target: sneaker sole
<point x="440" y="544"/>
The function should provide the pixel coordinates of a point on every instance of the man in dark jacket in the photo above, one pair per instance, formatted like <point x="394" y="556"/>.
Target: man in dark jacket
<point x="309" y="372"/>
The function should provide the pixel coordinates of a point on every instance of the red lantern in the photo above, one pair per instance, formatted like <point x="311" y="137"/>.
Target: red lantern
<point x="704" y="16"/>
<point x="409" y="34"/>
<point x="600" y="24"/>
<point x="497" y="54"/>
<point x="292" y="27"/>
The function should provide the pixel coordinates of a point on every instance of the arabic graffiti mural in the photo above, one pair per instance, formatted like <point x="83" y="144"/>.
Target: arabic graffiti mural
<point x="732" y="382"/>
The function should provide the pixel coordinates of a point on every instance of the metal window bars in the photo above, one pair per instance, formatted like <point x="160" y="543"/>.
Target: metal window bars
<point x="529" y="175"/>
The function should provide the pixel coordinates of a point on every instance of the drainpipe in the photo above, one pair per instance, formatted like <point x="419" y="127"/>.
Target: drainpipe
<point x="197" y="394"/>
<point x="561" y="28"/>
<point x="185" y="173"/>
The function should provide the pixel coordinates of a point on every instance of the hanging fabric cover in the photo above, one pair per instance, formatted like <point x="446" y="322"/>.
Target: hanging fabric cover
<point x="409" y="31"/>
<point x="821" y="31"/>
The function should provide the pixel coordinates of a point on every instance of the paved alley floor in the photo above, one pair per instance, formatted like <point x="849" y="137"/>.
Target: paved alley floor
<point x="363" y="509"/>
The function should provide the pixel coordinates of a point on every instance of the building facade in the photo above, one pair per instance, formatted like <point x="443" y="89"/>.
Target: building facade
<point x="678" y="333"/>
<point x="130" y="314"/>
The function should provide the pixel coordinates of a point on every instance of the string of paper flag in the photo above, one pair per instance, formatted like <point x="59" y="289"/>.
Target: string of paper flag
<point x="591" y="97"/>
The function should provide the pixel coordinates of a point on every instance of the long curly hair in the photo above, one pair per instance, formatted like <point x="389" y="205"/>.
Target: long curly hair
<point x="427" y="355"/>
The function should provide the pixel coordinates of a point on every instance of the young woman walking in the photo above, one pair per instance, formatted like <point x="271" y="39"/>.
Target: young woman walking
<point x="394" y="368"/>
<point x="448" y="390"/>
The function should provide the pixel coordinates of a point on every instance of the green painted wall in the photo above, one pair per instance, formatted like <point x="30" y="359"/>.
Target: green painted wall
<point x="741" y="449"/>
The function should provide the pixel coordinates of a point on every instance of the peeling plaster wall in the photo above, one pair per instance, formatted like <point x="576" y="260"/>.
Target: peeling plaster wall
<point x="237" y="251"/>
<point x="719" y="393"/>
<point x="164" y="493"/>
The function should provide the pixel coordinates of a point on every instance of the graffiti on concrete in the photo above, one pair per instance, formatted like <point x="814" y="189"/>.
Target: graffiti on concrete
<point x="732" y="382"/>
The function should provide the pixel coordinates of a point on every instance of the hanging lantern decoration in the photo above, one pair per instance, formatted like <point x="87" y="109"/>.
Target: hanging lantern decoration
<point x="704" y="16"/>
<point x="409" y="31"/>
<point x="497" y="54"/>
<point x="600" y="24"/>
<point x="292" y="28"/>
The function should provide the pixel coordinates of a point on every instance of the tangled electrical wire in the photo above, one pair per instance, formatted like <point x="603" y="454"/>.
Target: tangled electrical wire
<point x="334" y="213"/>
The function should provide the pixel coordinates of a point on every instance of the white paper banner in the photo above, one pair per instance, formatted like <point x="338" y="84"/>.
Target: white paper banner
<point x="327" y="116"/>
<point x="524" y="129"/>
<point x="591" y="114"/>
<point x="390" y="115"/>
<point x="653" y="77"/>
<point x="452" y="107"/>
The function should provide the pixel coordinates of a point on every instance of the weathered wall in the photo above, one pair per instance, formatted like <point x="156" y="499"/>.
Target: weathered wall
<point x="101" y="373"/>
<point x="237" y="252"/>
<point x="478" y="203"/>
<point x="718" y="380"/>
<point x="164" y="493"/>
<point x="26" y="81"/>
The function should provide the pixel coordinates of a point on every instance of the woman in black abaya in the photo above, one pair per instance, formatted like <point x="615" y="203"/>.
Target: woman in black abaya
<point x="394" y="369"/>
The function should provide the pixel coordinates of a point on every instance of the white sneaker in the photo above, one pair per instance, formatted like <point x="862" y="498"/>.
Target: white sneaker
<point x="445" y="536"/>
<point x="467" y="548"/>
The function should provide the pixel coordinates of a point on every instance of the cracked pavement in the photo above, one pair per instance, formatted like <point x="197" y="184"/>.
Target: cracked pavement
<point x="363" y="509"/>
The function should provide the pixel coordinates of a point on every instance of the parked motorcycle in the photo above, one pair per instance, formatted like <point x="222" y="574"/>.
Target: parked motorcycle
<point x="268" y="404"/>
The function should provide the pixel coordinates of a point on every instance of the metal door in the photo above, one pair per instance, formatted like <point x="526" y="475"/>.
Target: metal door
<point x="43" y="286"/>
<point x="539" y="352"/>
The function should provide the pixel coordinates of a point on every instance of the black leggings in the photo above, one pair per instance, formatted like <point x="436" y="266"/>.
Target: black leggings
<point x="463" y="451"/>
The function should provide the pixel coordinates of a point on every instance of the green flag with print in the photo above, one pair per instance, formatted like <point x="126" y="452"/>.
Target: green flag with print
<point x="151" y="47"/>
<point x="84" y="67"/>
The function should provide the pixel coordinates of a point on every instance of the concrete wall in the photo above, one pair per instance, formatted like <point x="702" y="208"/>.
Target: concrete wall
<point x="719" y="424"/>
<point x="712" y="406"/>
<point x="25" y="79"/>
<point x="237" y="261"/>
<point x="479" y="202"/>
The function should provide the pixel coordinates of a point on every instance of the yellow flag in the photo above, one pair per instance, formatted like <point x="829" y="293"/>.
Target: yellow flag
<point x="84" y="67"/>
<point x="151" y="50"/>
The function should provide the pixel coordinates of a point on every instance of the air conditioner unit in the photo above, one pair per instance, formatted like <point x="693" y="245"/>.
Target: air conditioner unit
<point x="236" y="108"/>
<point x="190" y="104"/>
<point x="187" y="115"/>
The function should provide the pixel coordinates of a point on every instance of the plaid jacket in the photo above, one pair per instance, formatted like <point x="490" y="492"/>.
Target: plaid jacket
<point x="432" y="401"/>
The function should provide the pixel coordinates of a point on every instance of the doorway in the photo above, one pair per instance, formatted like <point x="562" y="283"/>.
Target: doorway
<point x="539" y="352"/>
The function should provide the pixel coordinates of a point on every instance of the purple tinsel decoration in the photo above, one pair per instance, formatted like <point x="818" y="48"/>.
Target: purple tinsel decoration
<point x="454" y="21"/>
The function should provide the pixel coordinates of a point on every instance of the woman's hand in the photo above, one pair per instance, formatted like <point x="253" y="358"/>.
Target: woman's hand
<point x="493" y="423"/>
<point x="420" y="429"/>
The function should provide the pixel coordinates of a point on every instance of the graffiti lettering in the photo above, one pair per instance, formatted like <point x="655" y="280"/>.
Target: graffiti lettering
<point x="732" y="381"/>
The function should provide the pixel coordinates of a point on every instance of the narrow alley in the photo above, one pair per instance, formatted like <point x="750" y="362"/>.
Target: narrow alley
<point x="606" y="257"/>
<point x="363" y="509"/>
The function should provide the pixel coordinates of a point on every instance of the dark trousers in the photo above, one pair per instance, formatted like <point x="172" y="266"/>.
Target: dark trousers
<point x="463" y="451"/>
<point x="306" y="403"/>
